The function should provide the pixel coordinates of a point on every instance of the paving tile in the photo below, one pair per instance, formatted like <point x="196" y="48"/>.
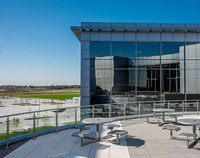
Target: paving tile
<point x="28" y="147"/>
<point x="139" y="151"/>
<point x="194" y="155"/>
<point x="140" y="156"/>
<point x="170" y="156"/>
<point x="143" y="141"/>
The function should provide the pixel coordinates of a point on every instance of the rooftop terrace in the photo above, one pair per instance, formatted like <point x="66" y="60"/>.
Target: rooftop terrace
<point x="143" y="141"/>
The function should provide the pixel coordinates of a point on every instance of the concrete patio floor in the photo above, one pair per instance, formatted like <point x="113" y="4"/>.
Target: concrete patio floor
<point x="143" y="141"/>
<point x="150" y="141"/>
<point x="51" y="144"/>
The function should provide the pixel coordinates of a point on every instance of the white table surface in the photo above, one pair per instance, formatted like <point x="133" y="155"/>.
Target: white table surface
<point x="69" y="156"/>
<point x="189" y="120"/>
<point x="97" y="120"/>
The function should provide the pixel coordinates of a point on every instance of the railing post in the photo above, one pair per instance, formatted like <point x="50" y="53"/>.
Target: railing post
<point x="56" y="122"/>
<point x="93" y="111"/>
<point x="154" y="106"/>
<point x="168" y="106"/>
<point x="197" y="107"/>
<point x="183" y="107"/>
<point x="124" y="111"/>
<point x="139" y="110"/>
<point x="109" y="110"/>
<point x="34" y="130"/>
<point x="7" y="132"/>
<point x="75" y="116"/>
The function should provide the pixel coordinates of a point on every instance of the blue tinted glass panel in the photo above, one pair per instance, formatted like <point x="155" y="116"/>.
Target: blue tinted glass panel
<point x="172" y="48"/>
<point x="124" y="63"/>
<point x="99" y="49"/>
<point x="148" y="79"/>
<point x="123" y="49"/>
<point x="148" y="49"/>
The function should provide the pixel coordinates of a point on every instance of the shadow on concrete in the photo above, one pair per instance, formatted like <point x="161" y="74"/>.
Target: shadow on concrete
<point x="132" y="141"/>
<point x="102" y="147"/>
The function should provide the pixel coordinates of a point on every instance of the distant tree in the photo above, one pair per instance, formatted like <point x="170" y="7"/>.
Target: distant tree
<point x="45" y="119"/>
<point x="16" y="122"/>
<point x="30" y="110"/>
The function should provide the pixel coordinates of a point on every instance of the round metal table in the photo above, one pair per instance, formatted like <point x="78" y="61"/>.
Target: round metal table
<point x="190" y="120"/>
<point x="163" y="111"/>
<point x="97" y="121"/>
<point x="193" y="120"/>
<point x="69" y="155"/>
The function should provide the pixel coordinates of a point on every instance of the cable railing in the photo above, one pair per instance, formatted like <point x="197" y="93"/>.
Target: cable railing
<point x="19" y="126"/>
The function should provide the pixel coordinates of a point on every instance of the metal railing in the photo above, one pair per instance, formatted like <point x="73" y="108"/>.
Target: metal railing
<point x="124" y="111"/>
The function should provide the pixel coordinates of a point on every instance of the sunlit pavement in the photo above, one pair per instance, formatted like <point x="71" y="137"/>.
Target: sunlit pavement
<point x="143" y="141"/>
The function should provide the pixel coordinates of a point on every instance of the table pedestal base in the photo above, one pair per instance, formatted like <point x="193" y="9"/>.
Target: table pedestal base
<point x="191" y="145"/>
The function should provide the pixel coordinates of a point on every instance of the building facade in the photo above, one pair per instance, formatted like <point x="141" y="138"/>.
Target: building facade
<point x="126" y="62"/>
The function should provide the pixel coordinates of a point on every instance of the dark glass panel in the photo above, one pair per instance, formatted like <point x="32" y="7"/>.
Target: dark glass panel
<point x="99" y="49"/>
<point x="172" y="57"/>
<point x="171" y="80"/>
<point x="123" y="49"/>
<point x="172" y="48"/>
<point x="172" y="60"/>
<point x="148" y="79"/>
<point x="123" y="82"/>
<point x="148" y="69"/>
<point x="122" y="63"/>
<point x="100" y="86"/>
<point x="100" y="81"/>
<point x="99" y="99"/>
<point x="148" y="50"/>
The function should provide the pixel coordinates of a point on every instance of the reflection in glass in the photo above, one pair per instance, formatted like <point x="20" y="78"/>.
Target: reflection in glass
<point x="123" y="82"/>
<point x="123" y="49"/>
<point x="171" y="80"/>
<point x="169" y="48"/>
<point x="99" y="49"/>
<point x="148" y="49"/>
<point x="192" y="67"/>
<point x="148" y="68"/>
<point x="119" y="70"/>
<point x="172" y="61"/>
<point x="148" y="79"/>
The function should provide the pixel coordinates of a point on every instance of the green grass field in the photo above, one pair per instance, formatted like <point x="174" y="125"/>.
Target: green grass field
<point x="44" y="95"/>
<point x="12" y="134"/>
<point x="54" y="96"/>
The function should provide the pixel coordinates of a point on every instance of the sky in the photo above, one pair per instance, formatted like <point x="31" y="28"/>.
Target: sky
<point x="37" y="46"/>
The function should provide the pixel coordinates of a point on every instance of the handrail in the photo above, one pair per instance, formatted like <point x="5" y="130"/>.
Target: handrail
<point x="123" y="110"/>
<point x="108" y="104"/>
<point x="30" y="112"/>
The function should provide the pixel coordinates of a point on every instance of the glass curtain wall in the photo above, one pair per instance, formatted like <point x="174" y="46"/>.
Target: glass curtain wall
<point x="172" y="64"/>
<point x="148" y="69"/>
<point x="100" y="72"/>
<point x="127" y="71"/>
